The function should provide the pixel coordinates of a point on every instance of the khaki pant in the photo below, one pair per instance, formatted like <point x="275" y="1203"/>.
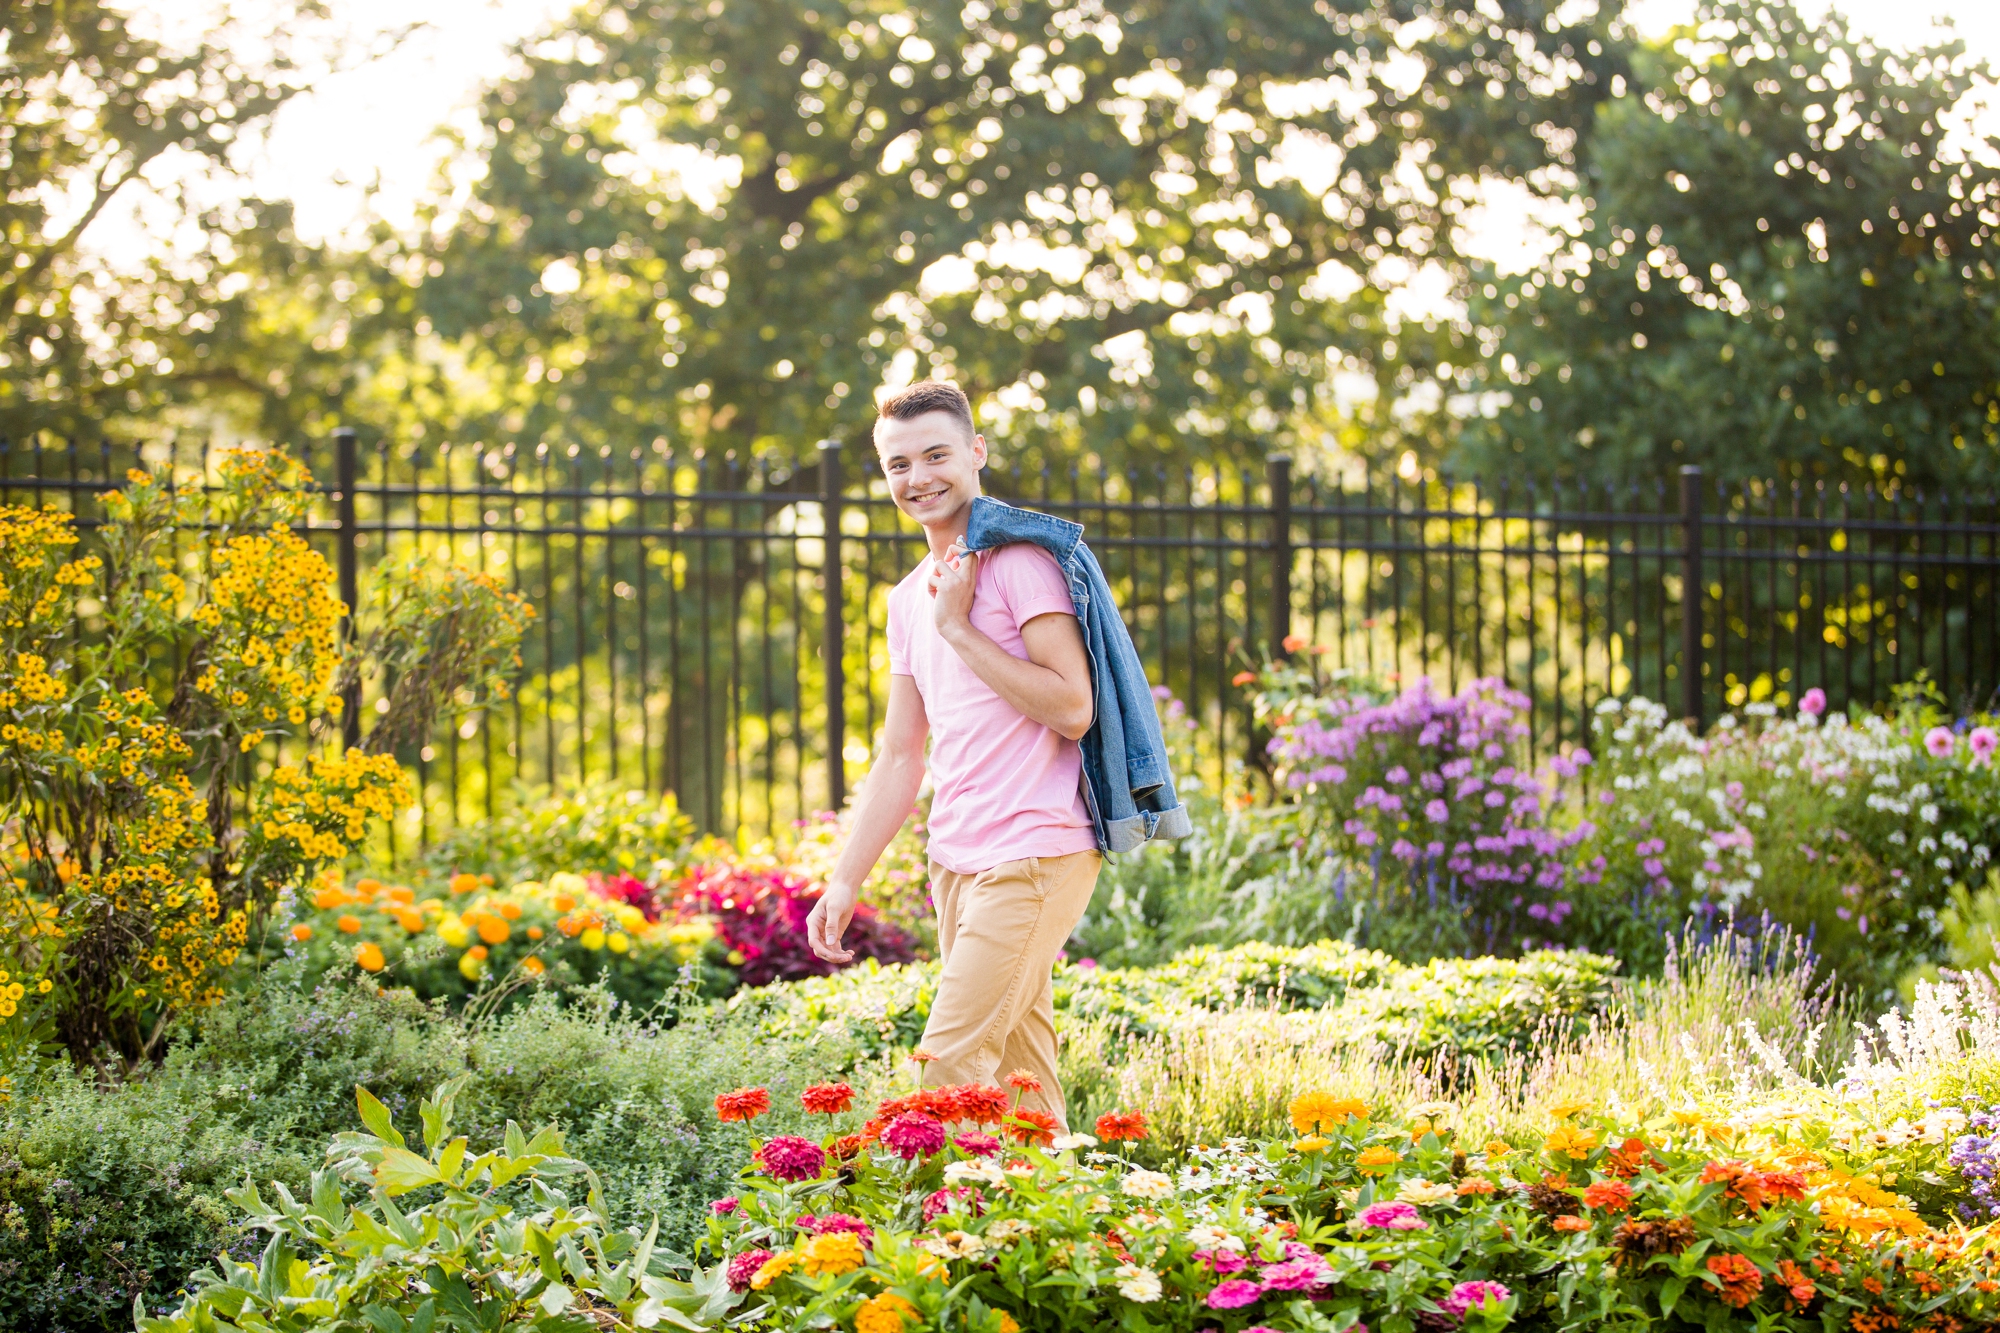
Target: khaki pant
<point x="1000" y="931"/>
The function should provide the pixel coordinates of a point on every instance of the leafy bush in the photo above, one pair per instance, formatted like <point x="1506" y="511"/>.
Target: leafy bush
<point x="761" y="916"/>
<point x="115" y="1189"/>
<point x="1851" y="831"/>
<point x="598" y="829"/>
<point x="1476" y="1006"/>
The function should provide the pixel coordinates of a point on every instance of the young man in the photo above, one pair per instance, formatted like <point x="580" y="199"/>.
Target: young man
<point x="987" y="661"/>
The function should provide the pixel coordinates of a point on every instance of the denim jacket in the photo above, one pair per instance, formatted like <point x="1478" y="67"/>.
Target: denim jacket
<point x="1126" y="783"/>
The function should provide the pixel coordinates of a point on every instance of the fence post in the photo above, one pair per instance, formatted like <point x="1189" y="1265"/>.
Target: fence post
<point x="1278" y="472"/>
<point x="1691" y="595"/>
<point x="833" y="632"/>
<point x="345" y="538"/>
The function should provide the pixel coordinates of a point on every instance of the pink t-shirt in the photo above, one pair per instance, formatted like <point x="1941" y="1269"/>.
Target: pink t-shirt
<point x="1004" y="787"/>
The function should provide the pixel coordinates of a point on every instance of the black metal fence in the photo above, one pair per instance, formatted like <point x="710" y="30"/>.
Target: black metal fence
<point x="685" y="639"/>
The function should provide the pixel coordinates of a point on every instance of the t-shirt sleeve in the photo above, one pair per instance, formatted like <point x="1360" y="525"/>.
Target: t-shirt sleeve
<point x="1030" y="583"/>
<point x="899" y="633"/>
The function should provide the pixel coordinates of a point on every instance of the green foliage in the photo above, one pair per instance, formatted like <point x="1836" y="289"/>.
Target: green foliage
<point x="115" y="1190"/>
<point x="473" y="1253"/>
<point x="1970" y="926"/>
<point x="1475" y="1006"/>
<point x="599" y="829"/>
<point x="1783" y="267"/>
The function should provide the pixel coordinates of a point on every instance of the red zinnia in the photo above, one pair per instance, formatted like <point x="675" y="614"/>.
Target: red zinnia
<point x="742" y="1104"/>
<point x="827" y="1098"/>
<point x="1121" y="1125"/>
<point x="1741" y="1279"/>
<point x="1614" y="1195"/>
<point x="982" y="1103"/>
<point x="1784" y="1185"/>
<point x="1027" y="1125"/>
<point x="1022" y="1081"/>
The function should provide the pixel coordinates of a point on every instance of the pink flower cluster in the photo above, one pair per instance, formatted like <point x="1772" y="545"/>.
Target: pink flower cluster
<point x="1392" y="1216"/>
<point x="912" y="1135"/>
<point x="1300" y="1270"/>
<point x="1468" y="1296"/>
<point x="837" y="1222"/>
<point x="790" y="1158"/>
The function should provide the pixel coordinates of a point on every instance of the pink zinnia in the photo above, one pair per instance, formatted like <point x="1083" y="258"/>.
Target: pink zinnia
<point x="1234" y="1294"/>
<point x="1984" y="741"/>
<point x="1939" y="740"/>
<point x="744" y="1267"/>
<point x="1393" y="1216"/>
<point x="940" y="1202"/>
<point x="1468" y="1296"/>
<point x="913" y="1134"/>
<point x="820" y="1226"/>
<point x="724" y="1207"/>
<point x="789" y="1157"/>
<point x="1813" y="701"/>
<point x="1296" y="1275"/>
<point x="1221" y="1261"/>
<point x="978" y="1145"/>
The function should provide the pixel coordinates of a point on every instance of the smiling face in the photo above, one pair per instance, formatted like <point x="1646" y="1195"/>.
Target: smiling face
<point x="932" y="463"/>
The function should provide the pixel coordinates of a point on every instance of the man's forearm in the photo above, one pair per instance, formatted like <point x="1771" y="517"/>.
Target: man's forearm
<point x="1034" y="691"/>
<point x="885" y="802"/>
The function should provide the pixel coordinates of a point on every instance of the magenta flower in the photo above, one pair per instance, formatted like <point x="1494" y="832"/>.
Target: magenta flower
<point x="1234" y="1294"/>
<point x="1393" y="1216"/>
<point x="939" y="1203"/>
<point x="981" y="1145"/>
<point x="1939" y="741"/>
<point x="1221" y="1261"/>
<point x="832" y="1222"/>
<point x="1296" y="1275"/>
<point x="724" y="1207"/>
<point x="789" y="1157"/>
<point x="1813" y="701"/>
<point x="1983" y="742"/>
<point x="744" y="1267"/>
<point x="912" y="1135"/>
<point x="1468" y="1296"/>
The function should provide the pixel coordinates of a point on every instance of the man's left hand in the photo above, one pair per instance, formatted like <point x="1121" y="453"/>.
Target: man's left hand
<point x="951" y="583"/>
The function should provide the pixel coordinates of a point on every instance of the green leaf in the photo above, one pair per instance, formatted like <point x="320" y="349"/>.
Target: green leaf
<point x="376" y="1117"/>
<point x="555" y="1298"/>
<point x="450" y="1160"/>
<point x="1670" y="1295"/>
<point x="401" y="1171"/>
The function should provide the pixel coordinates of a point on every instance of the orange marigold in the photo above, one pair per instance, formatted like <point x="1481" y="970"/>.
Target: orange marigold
<point x="743" y="1104"/>
<point x="369" y="957"/>
<point x="1571" y="1224"/>
<point x="1741" y="1280"/>
<point x="348" y="924"/>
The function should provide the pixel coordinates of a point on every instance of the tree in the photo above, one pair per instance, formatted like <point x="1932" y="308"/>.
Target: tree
<point x="726" y="223"/>
<point x="91" y="113"/>
<point x="1783" y="267"/>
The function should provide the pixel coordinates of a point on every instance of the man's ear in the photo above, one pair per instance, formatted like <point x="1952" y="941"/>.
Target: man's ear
<point x="978" y="450"/>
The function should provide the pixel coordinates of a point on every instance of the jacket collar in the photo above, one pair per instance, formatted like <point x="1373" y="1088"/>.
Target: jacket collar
<point x="996" y="523"/>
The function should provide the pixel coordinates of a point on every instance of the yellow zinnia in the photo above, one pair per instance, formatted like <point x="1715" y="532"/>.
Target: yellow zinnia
<point x="1372" y="1161"/>
<point x="1570" y="1141"/>
<point x="774" y="1268"/>
<point x="832" y="1254"/>
<point x="1317" y="1110"/>
<point x="882" y="1314"/>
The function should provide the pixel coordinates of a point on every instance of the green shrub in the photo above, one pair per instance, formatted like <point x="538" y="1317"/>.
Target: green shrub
<point x="600" y="829"/>
<point x="115" y="1191"/>
<point x="1471" y="1005"/>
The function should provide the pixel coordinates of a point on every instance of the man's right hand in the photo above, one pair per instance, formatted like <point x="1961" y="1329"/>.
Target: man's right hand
<point x="828" y="923"/>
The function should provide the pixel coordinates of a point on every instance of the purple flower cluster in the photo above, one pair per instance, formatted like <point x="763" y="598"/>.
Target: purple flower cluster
<point x="1975" y="1155"/>
<point x="1427" y="781"/>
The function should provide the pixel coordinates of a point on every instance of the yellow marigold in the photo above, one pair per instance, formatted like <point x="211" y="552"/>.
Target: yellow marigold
<point x="1316" y="1110"/>
<point x="1373" y="1161"/>
<point x="592" y="939"/>
<point x="1311" y="1143"/>
<point x="882" y="1314"/>
<point x="1572" y="1141"/>
<point x="471" y="966"/>
<point x="832" y="1254"/>
<point x="774" y="1268"/>
<point x="618" y="941"/>
<point x="369" y="957"/>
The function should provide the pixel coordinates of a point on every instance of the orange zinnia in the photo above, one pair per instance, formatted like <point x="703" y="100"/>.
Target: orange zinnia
<point x="743" y="1104"/>
<point x="1119" y="1126"/>
<point x="1027" y="1125"/>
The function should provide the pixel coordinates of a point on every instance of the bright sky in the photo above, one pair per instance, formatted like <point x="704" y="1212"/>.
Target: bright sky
<point x="377" y="123"/>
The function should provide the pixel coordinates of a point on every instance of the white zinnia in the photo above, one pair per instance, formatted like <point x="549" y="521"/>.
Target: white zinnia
<point x="980" y="1171"/>
<point x="1147" y="1185"/>
<point x="1069" y="1142"/>
<point x="1138" y="1284"/>
<point x="1424" y="1193"/>
<point x="1214" y="1238"/>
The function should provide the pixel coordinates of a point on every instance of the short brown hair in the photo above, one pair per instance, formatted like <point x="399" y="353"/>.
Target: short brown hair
<point x="928" y="396"/>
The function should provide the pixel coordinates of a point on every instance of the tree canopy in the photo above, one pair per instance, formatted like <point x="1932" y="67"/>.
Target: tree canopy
<point x="1171" y="229"/>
